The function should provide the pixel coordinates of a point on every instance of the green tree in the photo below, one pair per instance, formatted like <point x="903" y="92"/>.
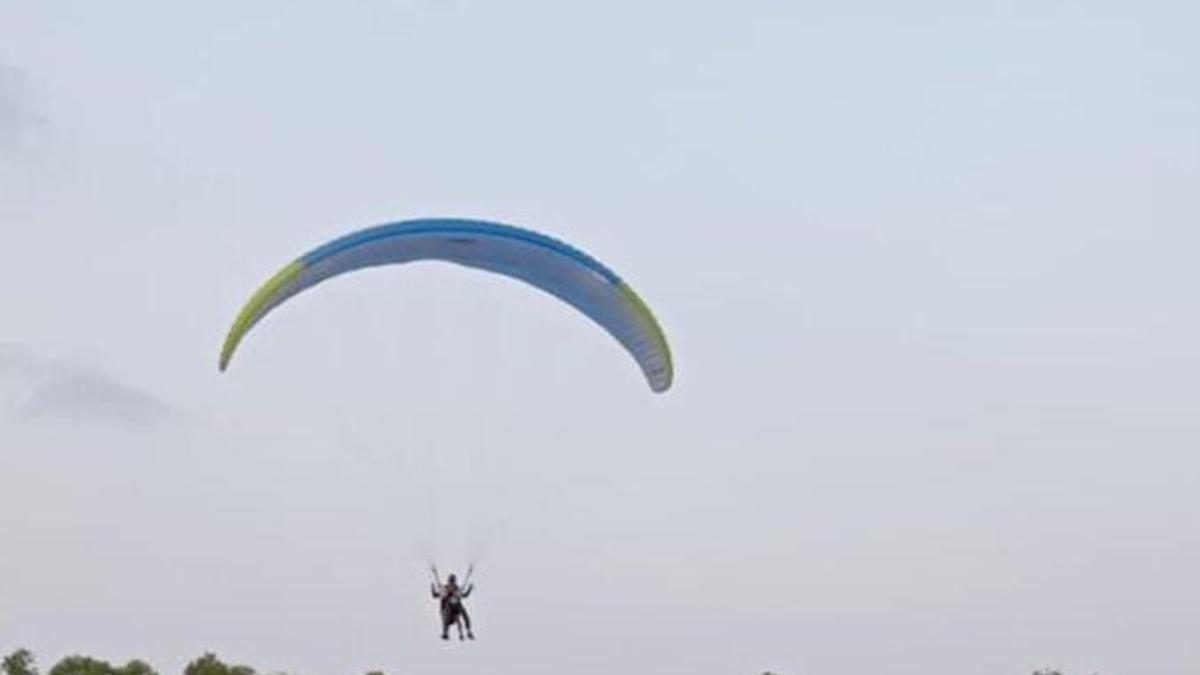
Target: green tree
<point x="82" y="665"/>
<point x="136" y="667"/>
<point x="19" y="662"/>
<point x="209" y="664"/>
<point x="86" y="665"/>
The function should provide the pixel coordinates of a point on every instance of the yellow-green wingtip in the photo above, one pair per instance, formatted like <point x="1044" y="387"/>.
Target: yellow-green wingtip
<point x="255" y="308"/>
<point x="662" y="380"/>
<point x="226" y="353"/>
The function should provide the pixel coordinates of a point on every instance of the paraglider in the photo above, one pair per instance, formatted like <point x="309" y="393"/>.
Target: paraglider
<point x="536" y="259"/>
<point x="450" y="598"/>
<point x="541" y="261"/>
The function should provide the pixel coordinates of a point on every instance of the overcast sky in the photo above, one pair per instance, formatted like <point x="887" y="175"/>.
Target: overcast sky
<point x="929" y="270"/>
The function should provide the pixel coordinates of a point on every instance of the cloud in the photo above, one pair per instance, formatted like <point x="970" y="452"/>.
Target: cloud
<point x="11" y="107"/>
<point x="33" y="388"/>
<point x="82" y="396"/>
<point x="15" y="361"/>
<point x="19" y="120"/>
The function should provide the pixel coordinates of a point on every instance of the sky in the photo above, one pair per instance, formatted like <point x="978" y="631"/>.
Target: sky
<point x="927" y="268"/>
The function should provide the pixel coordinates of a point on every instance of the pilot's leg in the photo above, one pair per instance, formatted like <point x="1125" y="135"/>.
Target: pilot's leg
<point x="467" y="620"/>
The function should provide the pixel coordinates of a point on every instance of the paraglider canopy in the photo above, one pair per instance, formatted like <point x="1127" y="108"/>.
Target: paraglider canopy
<point x="541" y="261"/>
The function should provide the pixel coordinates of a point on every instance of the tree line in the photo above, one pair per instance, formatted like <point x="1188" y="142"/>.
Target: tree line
<point x="22" y="662"/>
